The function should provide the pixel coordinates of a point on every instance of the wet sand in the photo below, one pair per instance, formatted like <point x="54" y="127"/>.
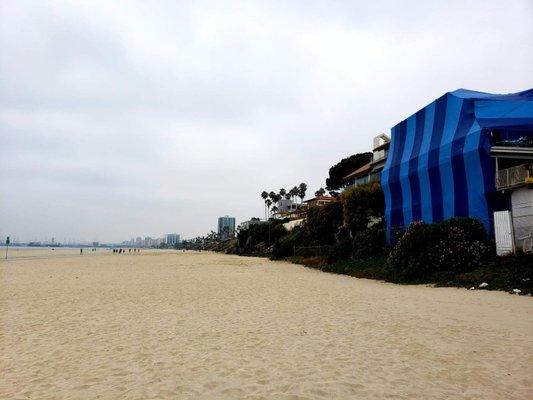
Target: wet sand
<point x="187" y="325"/>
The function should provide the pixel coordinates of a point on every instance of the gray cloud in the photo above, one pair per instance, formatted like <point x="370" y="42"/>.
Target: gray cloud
<point x="120" y="119"/>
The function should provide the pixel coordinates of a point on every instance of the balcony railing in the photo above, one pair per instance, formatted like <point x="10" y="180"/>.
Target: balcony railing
<point x="514" y="176"/>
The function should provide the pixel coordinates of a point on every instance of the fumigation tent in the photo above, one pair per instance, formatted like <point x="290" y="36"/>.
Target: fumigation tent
<point x="439" y="164"/>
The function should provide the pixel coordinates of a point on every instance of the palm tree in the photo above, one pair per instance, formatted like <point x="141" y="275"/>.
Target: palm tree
<point x="294" y="193"/>
<point x="282" y="192"/>
<point x="320" y="192"/>
<point x="275" y="209"/>
<point x="264" y="196"/>
<point x="301" y="191"/>
<point x="268" y="203"/>
<point x="272" y="196"/>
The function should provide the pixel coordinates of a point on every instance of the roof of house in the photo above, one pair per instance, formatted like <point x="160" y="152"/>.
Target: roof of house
<point x="326" y="198"/>
<point x="359" y="171"/>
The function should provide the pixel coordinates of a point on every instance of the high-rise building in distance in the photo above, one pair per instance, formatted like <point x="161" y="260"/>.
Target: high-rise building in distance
<point x="226" y="226"/>
<point x="172" y="239"/>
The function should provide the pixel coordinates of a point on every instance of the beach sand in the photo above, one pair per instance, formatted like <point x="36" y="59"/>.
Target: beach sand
<point x="169" y="325"/>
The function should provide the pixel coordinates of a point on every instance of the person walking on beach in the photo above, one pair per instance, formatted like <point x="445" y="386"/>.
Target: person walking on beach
<point x="81" y="252"/>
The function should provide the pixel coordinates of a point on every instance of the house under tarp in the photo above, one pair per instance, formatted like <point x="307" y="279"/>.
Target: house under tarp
<point x="439" y="165"/>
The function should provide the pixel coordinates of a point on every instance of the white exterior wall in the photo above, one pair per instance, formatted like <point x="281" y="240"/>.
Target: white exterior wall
<point x="285" y="205"/>
<point x="292" y="224"/>
<point x="522" y="208"/>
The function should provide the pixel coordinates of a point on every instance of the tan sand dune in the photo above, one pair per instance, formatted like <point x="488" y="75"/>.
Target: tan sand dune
<point x="171" y="325"/>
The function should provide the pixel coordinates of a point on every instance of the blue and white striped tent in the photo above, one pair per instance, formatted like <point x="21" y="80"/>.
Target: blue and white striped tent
<point x="439" y="164"/>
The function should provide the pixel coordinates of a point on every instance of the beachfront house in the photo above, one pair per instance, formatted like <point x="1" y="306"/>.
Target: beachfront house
<point x="358" y="177"/>
<point x="467" y="154"/>
<point x="320" y="201"/>
<point x="370" y="172"/>
<point x="513" y="160"/>
<point x="289" y="209"/>
<point x="286" y="205"/>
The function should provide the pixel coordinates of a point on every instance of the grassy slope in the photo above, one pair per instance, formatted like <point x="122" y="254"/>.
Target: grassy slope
<point x="502" y="273"/>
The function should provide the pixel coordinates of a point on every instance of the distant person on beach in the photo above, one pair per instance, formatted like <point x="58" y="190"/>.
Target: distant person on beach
<point x="81" y="251"/>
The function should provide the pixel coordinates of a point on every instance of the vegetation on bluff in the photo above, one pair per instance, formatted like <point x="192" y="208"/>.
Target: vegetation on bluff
<point x="347" y="236"/>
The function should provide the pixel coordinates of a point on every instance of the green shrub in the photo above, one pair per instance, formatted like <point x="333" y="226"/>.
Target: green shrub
<point x="371" y="268"/>
<point x="470" y="227"/>
<point x="514" y="271"/>
<point x="426" y="252"/>
<point x="284" y="247"/>
<point x="369" y="242"/>
<point x="277" y="231"/>
<point x="323" y="223"/>
<point x="361" y="204"/>
<point x="341" y="250"/>
<point x="256" y="239"/>
<point x="409" y="259"/>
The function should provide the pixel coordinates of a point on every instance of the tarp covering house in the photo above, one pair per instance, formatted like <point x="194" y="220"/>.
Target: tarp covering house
<point x="439" y="164"/>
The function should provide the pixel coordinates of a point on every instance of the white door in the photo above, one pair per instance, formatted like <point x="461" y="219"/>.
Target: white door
<point x="503" y="233"/>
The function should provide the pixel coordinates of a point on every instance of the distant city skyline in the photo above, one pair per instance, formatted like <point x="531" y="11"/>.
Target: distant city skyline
<point x="121" y="118"/>
<point x="145" y="240"/>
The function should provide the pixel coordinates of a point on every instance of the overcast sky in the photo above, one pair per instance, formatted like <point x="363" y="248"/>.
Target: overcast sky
<point x="124" y="119"/>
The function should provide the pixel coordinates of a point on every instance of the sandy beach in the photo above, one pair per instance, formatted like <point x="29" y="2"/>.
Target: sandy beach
<point x="166" y="325"/>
